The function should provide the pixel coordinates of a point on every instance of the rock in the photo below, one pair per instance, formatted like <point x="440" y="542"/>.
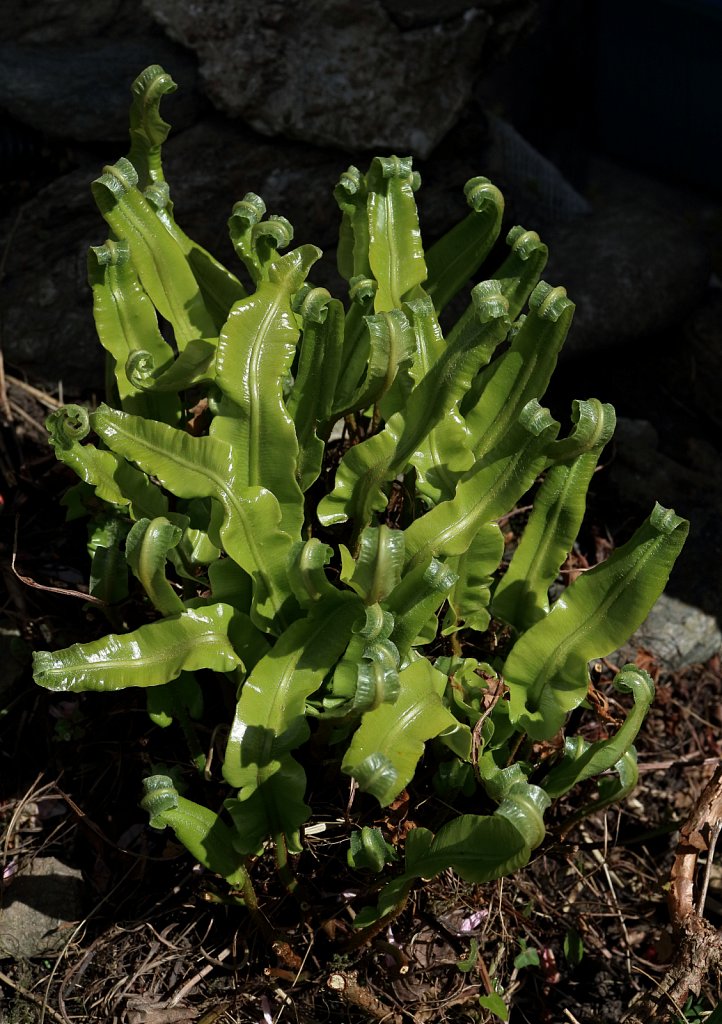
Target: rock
<point x="81" y="90"/>
<point x="677" y="633"/>
<point x="638" y="474"/>
<point x="48" y="323"/>
<point x="39" y="906"/>
<point x="535" y="192"/>
<point x="57" y="21"/>
<point x="633" y="271"/>
<point x="336" y="73"/>
<point x="695" y="369"/>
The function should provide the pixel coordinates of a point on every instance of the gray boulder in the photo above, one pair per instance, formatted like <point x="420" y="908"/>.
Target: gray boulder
<point x="336" y="73"/>
<point x="56" y="21"/>
<point x="677" y="634"/>
<point x="633" y="271"/>
<point x="39" y="908"/>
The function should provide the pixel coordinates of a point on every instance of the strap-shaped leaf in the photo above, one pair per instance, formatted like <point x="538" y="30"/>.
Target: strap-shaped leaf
<point x="208" y="839"/>
<point x="158" y="259"/>
<point x="521" y="373"/>
<point x="202" y="467"/>
<point x="367" y="466"/>
<point x="352" y="253"/>
<point x="270" y="722"/>
<point x="149" y="656"/>
<point x="254" y="356"/>
<point x="546" y="669"/>
<point x="487" y="491"/>
<point x="112" y="477"/>
<point x="417" y="598"/>
<point x="146" y="549"/>
<point x="583" y="760"/>
<point x="307" y="571"/>
<point x="455" y="258"/>
<point x="470" y="596"/>
<point x="390" y="350"/>
<point x="477" y="847"/>
<point x="194" y="365"/>
<point x="126" y="320"/>
<point x="520" y="272"/>
<point x="310" y="401"/>
<point x="108" y="570"/>
<point x="355" y="350"/>
<point x="367" y="675"/>
<point x="257" y="241"/>
<point x="445" y="453"/>
<point x="148" y="130"/>
<point x="388" y="744"/>
<point x="396" y="255"/>
<point x="522" y="596"/>
<point x="379" y="563"/>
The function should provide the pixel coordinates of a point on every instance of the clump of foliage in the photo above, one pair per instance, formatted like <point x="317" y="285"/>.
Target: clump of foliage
<point x="353" y="598"/>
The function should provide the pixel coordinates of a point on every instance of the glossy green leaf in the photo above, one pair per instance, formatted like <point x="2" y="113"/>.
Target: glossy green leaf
<point x="390" y="350"/>
<point x="478" y="847"/>
<point x="198" y="828"/>
<point x="157" y="257"/>
<point x="546" y="669"/>
<point x="270" y="722"/>
<point x="521" y="373"/>
<point x="351" y="194"/>
<point x="307" y="571"/>
<point x="148" y="656"/>
<point x="456" y="257"/>
<point x="488" y="490"/>
<point x="584" y="760"/>
<point x="254" y="356"/>
<point x="256" y="241"/>
<point x="126" y="320"/>
<point x="148" y="130"/>
<point x="379" y="563"/>
<point x="368" y="673"/>
<point x="395" y="252"/>
<point x="470" y="596"/>
<point x="310" y="402"/>
<point x="368" y="849"/>
<point x="522" y="597"/>
<point x="355" y="350"/>
<point x="444" y="453"/>
<point x="387" y="746"/>
<point x="610" y="789"/>
<point x="146" y="549"/>
<point x="194" y="365"/>
<point x="108" y="571"/>
<point x="428" y="346"/>
<point x="417" y="598"/>
<point x="112" y="477"/>
<point x="200" y="467"/>
<point x="366" y="467"/>
<point x="520" y="272"/>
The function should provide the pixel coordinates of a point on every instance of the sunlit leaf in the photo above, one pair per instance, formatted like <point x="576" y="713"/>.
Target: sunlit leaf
<point x="546" y="669"/>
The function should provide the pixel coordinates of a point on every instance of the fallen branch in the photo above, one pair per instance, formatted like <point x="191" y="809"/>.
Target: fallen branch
<point x="699" y="945"/>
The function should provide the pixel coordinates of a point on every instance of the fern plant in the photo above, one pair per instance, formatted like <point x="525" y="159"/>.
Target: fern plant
<point x="309" y="495"/>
